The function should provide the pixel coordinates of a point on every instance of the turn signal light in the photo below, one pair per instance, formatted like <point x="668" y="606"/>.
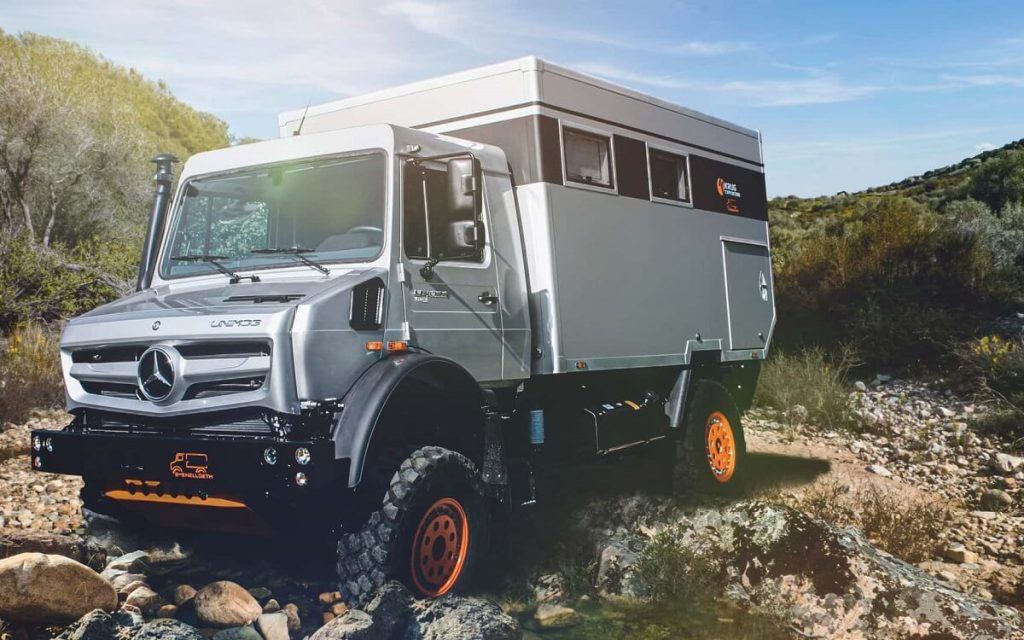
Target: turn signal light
<point x="398" y="345"/>
<point x="374" y="345"/>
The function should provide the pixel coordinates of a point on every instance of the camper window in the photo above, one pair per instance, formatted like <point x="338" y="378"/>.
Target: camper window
<point x="587" y="157"/>
<point x="669" y="180"/>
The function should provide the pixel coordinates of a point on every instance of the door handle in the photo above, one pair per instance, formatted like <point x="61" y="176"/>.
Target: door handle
<point x="487" y="298"/>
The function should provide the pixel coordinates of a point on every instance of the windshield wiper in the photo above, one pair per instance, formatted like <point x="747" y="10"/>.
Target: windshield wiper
<point x="214" y="261"/>
<point x="297" y="253"/>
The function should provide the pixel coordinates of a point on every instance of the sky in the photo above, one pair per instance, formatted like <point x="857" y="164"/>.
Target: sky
<point x="847" y="95"/>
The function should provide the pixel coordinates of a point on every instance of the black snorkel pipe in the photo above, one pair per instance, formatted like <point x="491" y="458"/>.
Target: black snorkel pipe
<point x="161" y="200"/>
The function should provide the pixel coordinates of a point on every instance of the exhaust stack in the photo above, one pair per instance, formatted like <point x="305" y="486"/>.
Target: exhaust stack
<point x="161" y="199"/>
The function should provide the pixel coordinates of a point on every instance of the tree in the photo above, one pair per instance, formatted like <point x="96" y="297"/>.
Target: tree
<point x="1000" y="180"/>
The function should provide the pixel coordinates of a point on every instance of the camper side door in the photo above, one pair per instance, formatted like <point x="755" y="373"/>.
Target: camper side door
<point x="453" y="308"/>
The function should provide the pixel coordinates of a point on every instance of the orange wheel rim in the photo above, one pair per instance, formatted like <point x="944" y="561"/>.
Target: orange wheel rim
<point x="721" y="446"/>
<point x="439" y="547"/>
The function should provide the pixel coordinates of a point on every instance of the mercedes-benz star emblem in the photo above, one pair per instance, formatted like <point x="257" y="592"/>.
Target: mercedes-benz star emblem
<point x="156" y="325"/>
<point x="156" y="374"/>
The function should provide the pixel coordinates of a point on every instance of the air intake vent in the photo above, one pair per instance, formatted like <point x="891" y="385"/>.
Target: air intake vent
<point x="367" y="305"/>
<point x="282" y="298"/>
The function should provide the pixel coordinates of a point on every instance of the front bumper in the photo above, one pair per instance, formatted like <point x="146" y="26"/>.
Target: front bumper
<point x="179" y="474"/>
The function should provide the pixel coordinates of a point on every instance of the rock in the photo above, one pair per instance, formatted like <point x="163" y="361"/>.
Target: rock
<point x="1005" y="463"/>
<point x="338" y="608"/>
<point x="120" y="580"/>
<point x="996" y="500"/>
<point x="145" y="599"/>
<point x="183" y="593"/>
<point x="238" y="633"/>
<point x="36" y="588"/>
<point x="294" y="621"/>
<point x="226" y="604"/>
<point x="959" y="553"/>
<point x="554" y="616"/>
<point x="463" y="617"/>
<point x="946" y="413"/>
<point x="134" y="562"/>
<point x="88" y="553"/>
<point x="860" y="386"/>
<point x="549" y="588"/>
<point x="329" y="597"/>
<point x="985" y="515"/>
<point x="879" y="470"/>
<point x="354" y="625"/>
<point x="167" y="629"/>
<point x="831" y="582"/>
<point x="273" y="626"/>
<point x="271" y="606"/>
<point x="167" y="611"/>
<point x="390" y="608"/>
<point x="167" y="553"/>
<point x="126" y="590"/>
<point x="260" y="592"/>
<point x="95" y="625"/>
<point x="616" y="571"/>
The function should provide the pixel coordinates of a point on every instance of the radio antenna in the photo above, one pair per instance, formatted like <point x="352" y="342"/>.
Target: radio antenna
<point x="303" y="121"/>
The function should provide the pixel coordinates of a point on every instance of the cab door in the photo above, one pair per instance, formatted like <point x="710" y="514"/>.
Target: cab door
<point x="452" y="309"/>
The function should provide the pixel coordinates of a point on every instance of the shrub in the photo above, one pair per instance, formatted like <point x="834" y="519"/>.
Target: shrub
<point x="674" y="572"/>
<point x="895" y="280"/>
<point x="30" y="375"/>
<point x="50" y="284"/>
<point x="995" y="364"/>
<point x="908" y="528"/>
<point x="811" y="379"/>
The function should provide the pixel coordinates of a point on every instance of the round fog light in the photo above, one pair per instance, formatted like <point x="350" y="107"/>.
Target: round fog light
<point x="49" y="444"/>
<point x="302" y="456"/>
<point x="270" y="455"/>
<point x="37" y="443"/>
<point x="300" y="479"/>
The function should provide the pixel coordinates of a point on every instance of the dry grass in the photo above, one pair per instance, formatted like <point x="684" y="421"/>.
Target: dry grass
<point x="30" y="376"/>
<point x="808" y="387"/>
<point x="908" y="528"/>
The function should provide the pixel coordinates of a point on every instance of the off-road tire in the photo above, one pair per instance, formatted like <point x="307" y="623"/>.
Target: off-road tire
<point x="382" y="548"/>
<point x="710" y="402"/>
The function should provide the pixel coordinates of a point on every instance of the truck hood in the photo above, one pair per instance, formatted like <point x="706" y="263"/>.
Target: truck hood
<point x="221" y="298"/>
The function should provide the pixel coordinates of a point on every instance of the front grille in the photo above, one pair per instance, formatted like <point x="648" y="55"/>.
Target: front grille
<point x="119" y="353"/>
<point x="222" y="388"/>
<point x="112" y="389"/>
<point x="198" y="350"/>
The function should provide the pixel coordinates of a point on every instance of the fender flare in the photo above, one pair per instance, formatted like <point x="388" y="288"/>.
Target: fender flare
<point x="369" y="396"/>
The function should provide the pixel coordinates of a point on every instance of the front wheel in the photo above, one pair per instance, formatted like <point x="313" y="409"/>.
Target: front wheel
<point x="429" y="532"/>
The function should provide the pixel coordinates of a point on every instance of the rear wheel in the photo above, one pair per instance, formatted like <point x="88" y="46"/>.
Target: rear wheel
<point x="429" y="532"/>
<point x="714" y="447"/>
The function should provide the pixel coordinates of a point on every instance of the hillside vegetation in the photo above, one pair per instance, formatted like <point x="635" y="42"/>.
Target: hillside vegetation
<point x="76" y="136"/>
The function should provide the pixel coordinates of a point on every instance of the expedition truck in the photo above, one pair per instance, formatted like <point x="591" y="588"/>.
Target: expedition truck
<point x="393" y="331"/>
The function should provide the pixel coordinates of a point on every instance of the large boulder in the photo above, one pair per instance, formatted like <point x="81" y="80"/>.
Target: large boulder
<point x="100" y="625"/>
<point x="384" y="617"/>
<point x="226" y="604"/>
<point x="830" y="582"/>
<point x="36" y="588"/>
<point x="463" y="617"/>
<point x="167" y="629"/>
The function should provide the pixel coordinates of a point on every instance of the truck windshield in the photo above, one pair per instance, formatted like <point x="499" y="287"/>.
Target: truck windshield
<point x="329" y="210"/>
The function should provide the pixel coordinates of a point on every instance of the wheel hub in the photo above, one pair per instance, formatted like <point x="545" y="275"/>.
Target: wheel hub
<point x="720" y="446"/>
<point x="440" y="547"/>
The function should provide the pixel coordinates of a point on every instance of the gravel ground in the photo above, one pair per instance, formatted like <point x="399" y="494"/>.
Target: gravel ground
<point x="31" y="500"/>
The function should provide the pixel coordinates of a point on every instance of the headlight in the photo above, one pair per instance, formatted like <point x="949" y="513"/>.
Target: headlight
<point x="37" y="443"/>
<point x="302" y="456"/>
<point x="300" y="479"/>
<point x="270" y="455"/>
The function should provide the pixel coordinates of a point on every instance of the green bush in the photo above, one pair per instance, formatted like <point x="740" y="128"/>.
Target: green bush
<point x="51" y="284"/>
<point x="995" y="364"/>
<point x="30" y="375"/>
<point x="674" y="572"/>
<point x="893" y="278"/>
<point x="812" y="379"/>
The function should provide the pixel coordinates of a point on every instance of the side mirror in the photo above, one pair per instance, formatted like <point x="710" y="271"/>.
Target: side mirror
<point x="463" y="189"/>
<point x="465" y="236"/>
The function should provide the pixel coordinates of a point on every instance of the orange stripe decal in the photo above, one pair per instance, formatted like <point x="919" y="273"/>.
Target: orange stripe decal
<point x="121" y="494"/>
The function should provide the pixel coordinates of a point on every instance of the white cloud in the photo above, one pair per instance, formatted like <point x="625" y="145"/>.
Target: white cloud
<point x="984" y="146"/>
<point x="700" y="48"/>
<point x="985" y="80"/>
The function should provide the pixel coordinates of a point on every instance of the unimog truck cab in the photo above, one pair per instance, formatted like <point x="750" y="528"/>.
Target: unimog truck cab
<point x="391" y="331"/>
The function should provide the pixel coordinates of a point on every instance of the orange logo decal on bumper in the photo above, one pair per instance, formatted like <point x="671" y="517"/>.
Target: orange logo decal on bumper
<point x="195" y="466"/>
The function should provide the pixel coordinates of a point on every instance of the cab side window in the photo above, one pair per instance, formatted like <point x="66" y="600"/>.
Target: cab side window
<point x="426" y="216"/>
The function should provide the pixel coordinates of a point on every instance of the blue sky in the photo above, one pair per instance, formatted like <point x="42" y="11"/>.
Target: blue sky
<point x="847" y="94"/>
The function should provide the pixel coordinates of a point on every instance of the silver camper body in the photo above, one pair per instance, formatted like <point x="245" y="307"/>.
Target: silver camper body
<point x="617" y="276"/>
